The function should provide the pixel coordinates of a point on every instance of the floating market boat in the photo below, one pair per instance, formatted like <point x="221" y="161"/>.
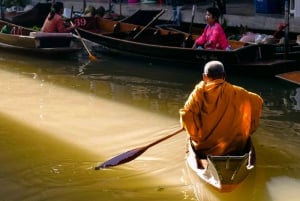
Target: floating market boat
<point x="174" y="47"/>
<point x="24" y="40"/>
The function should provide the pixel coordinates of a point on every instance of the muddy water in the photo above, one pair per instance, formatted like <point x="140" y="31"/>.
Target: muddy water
<point x="61" y="118"/>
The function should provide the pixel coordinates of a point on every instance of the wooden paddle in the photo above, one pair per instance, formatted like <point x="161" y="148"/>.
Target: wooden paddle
<point x="192" y="21"/>
<point x="91" y="57"/>
<point x="145" y="27"/>
<point x="132" y="154"/>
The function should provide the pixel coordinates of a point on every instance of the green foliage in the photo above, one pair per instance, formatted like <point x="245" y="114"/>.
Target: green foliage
<point x="6" y="29"/>
<point x="35" y="28"/>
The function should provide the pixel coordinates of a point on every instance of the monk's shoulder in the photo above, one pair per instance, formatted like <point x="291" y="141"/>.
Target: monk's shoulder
<point x="244" y="92"/>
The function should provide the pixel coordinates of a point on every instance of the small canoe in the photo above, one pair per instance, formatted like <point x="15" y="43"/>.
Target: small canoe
<point x="224" y="173"/>
<point x="20" y="39"/>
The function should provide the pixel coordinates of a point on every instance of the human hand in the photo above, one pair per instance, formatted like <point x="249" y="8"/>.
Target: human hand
<point x="207" y="45"/>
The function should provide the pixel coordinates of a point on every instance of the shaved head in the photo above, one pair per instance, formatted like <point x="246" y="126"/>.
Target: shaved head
<point x="214" y="69"/>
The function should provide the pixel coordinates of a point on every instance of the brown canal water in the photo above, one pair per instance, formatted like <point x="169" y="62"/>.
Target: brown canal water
<point x="61" y="118"/>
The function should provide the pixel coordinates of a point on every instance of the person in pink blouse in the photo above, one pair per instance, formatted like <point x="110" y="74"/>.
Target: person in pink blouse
<point x="213" y="36"/>
<point x="54" y="23"/>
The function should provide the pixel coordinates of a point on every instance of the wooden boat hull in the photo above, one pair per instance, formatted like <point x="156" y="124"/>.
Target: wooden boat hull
<point x="25" y="40"/>
<point x="158" y="44"/>
<point x="159" y="51"/>
<point x="224" y="173"/>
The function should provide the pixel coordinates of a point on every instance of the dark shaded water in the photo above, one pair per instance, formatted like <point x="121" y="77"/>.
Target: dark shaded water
<point x="61" y="118"/>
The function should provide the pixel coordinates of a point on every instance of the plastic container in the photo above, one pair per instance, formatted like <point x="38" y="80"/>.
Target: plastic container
<point x="133" y="1"/>
<point x="269" y="6"/>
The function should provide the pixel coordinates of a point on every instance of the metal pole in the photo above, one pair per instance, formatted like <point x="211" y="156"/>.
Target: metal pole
<point x="287" y="29"/>
<point x="120" y="8"/>
<point x="1" y="9"/>
<point x="84" y="5"/>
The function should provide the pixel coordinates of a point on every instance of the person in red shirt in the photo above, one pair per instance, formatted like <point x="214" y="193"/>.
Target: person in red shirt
<point x="54" y="23"/>
<point x="213" y="36"/>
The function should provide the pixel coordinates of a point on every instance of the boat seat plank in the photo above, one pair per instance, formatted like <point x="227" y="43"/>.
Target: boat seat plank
<point x="231" y="169"/>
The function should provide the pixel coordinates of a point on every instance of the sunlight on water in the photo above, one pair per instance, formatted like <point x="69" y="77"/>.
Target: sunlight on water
<point x="284" y="188"/>
<point x="97" y="126"/>
<point x="74" y="116"/>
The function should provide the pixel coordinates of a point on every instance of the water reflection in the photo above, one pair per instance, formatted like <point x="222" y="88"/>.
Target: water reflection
<point x="79" y="113"/>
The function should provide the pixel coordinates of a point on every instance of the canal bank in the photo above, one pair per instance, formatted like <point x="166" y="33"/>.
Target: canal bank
<point x="238" y="13"/>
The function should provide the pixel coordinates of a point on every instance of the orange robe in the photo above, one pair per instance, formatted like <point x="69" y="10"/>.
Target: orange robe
<point x="220" y="117"/>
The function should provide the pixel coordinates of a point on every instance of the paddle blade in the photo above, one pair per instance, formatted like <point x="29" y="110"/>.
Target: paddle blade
<point x="122" y="158"/>
<point x="93" y="58"/>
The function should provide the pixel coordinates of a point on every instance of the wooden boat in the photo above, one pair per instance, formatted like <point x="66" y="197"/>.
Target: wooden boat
<point x="224" y="173"/>
<point x="22" y="39"/>
<point x="33" y="17"/>
<point x="293" y="77"/>
<point x="276" y="50"/>
<point x="174" y="47"/>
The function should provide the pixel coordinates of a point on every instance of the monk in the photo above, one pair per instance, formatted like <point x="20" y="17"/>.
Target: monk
<point x="219" y="117"/>
<point x="54" y="23"/>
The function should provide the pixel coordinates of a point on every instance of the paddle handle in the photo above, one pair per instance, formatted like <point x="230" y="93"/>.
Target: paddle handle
<point x="164" y="138"/>
<point x="193" y="16"/>
<point x="83" y="43"/>
<point x="145" y="27"/>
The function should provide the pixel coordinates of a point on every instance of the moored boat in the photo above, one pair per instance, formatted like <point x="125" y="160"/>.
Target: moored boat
<point x="224" y="173"/>
<point x="175" y="48"/>
<point x="17" y="38"/>
<point x="271" y="47"/>
<point x="29" y="18"/>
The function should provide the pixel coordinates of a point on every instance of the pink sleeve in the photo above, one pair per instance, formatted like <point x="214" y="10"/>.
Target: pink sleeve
<point x="216" y="35"/>
<point x="202" y="39"/>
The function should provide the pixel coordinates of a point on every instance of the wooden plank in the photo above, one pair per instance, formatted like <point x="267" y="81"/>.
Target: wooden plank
<point x="293" y="77"/>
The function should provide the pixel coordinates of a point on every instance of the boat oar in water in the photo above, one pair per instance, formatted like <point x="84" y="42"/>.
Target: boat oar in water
<point x="132" y="154"/>
<point x="91" y="57"/>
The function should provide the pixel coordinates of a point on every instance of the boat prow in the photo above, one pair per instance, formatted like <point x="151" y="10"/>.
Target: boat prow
<point x="224" y="173"/>
<point x="293" y="77"/>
